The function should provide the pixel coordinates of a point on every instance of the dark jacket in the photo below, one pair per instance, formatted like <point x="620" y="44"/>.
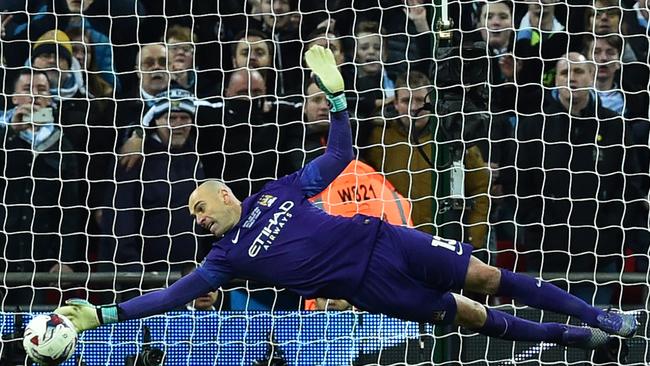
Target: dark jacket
<point x="150" y="221"/>
<point x="41" y="212"/>
<point x="574" y="184"/>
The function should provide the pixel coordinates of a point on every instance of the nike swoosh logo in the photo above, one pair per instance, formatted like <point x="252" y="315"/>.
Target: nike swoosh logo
<point x="236" y="238"/>
<point x="460" y="249"/>
<point x="539" y="282"/>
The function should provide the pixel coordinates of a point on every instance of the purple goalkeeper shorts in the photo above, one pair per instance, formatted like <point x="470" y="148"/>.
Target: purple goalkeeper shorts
<point x="410" y="276"/>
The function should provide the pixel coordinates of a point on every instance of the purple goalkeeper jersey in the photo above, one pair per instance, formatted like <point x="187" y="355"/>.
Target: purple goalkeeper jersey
<point x="283" y="239"/>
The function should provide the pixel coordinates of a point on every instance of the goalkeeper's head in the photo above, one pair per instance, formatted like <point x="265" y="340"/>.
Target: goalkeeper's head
<point x="215" y="207"/>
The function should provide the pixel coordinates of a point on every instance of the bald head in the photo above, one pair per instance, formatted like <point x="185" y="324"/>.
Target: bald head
<point x="575" y="58"/>
<point x="212" y="186"/>
<point x="215" y="207"/>
<point x="246" y="83"/>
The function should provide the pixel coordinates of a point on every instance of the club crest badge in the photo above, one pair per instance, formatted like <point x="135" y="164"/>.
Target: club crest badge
<point x="267" y="200"/>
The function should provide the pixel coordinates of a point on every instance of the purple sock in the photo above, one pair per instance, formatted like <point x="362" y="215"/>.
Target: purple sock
<point x="545" y="296"/>
<point x="505" y="326"/>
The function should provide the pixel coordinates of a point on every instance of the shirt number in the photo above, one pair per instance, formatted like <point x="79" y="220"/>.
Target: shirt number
<point x="444" y="243"/>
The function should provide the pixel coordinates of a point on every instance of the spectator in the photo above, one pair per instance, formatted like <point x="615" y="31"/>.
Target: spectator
<point x="328" y="39"/>
<point x="204" y="302"/>
<point x="150" y="66"/>
<point x="540" y="41"/>
<point x="359" y="188"/>
<point x="150" y="223"/>
<point x="360" y="104"/>
<point x="372" y="81"/>
<point x="316" y="119"/>
<point x="152" y="72"/>
<point x="254" y="50"/>
<point x="495" y="24"/>
<point x="280" y="21"/>
<point x="180" y="43"/>
<point x="605" y="18"/>
<point x="52" y="52"/>
<point x="402" y="151"/>
<point x="605" y="51"/>
<point x="83" y="51"/>
<point x="576" y="185"/>
<point x="541" y="16"/>
<point x="43" y="226"/>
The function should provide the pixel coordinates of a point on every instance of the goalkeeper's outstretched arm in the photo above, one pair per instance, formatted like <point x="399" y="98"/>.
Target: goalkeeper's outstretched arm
<point x="86" y="316"/>
<point x="319" y="173"/>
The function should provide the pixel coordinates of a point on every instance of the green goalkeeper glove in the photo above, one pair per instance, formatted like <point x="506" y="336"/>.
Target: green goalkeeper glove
<point x="85" y="316"/>
<point x="321" y="62"/>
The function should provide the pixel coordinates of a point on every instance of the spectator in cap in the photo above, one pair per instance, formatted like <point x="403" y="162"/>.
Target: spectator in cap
<point x="149" y="229"/>
<point x="99" y="82"/>
<point x="52" y="52"/>
<point x="171" y="118"/>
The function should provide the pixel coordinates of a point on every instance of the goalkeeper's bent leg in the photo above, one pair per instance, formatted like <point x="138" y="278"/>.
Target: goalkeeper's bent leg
<point x="498" y="324"/>
<point x="542" y="295"/>
<point x="546" y="296"/>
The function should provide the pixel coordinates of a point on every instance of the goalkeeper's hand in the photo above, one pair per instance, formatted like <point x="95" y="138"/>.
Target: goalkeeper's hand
<point x="85" y="316"/>
<point x="321" y="62"/>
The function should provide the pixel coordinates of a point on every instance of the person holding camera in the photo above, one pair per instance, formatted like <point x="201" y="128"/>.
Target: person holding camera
<point x="41" y="195"/>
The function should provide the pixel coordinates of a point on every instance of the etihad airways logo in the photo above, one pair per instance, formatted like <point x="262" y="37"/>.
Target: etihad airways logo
<point x="272" y="229"/>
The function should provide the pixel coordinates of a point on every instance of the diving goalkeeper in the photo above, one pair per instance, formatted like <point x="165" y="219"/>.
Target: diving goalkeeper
<point x="277" y="236"/>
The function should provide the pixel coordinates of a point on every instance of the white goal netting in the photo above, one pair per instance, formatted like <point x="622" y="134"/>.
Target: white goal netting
<point x="520" y="127"/>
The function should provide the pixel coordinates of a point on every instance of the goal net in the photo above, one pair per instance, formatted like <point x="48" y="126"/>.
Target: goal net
<point x="520" y="127"/>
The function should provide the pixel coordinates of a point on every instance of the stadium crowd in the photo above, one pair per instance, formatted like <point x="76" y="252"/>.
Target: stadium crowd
<point x="114" y="111"/>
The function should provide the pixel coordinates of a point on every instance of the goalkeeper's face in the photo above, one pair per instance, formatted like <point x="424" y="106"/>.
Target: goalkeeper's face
<point x="215" y="207"/>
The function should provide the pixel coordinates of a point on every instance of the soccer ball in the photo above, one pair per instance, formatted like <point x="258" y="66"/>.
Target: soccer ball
<point x="50" y="339"/>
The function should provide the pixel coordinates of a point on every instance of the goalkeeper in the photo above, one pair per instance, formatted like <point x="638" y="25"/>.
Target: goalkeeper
<point x="276" y="236"/>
